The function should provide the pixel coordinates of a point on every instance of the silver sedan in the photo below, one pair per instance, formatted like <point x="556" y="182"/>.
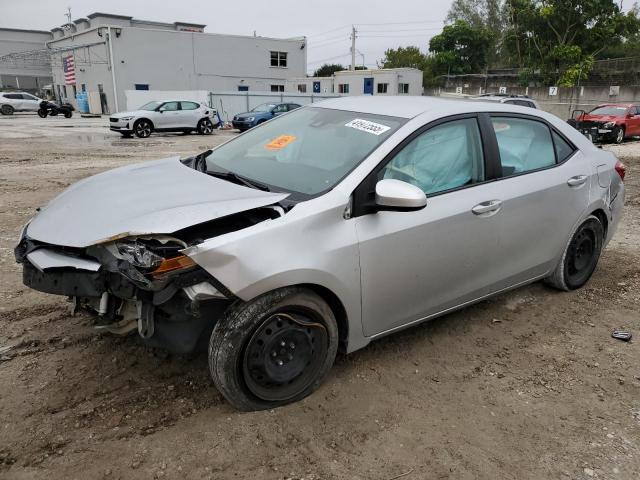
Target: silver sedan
<point x="324" y="229"/>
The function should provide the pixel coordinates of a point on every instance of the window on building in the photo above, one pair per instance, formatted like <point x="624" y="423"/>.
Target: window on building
<point x="343" y="88"/>
<point x="65" y="92"/>
<point x="83" y="87"/>
<point x="302" y="88"/>
<point x="383" y="87"/>
<point x="243" y="88"/>
<point x="277" y="88"/>
<point x="142" y="86"/>
<point x="403" y="88"/>
<point x="279" y="59"/>
<point x="75" y="90"/>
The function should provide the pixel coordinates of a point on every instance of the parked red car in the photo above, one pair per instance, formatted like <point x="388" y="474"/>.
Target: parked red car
<point x="611" y="122"/>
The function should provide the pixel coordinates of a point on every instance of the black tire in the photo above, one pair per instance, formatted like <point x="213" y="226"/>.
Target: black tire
<point x="68" y="114"/>
<point x="7" y="110"/>
<point x="143" y="128"/>
<point x="205" y="127"/>
<point x="580" y="256"/>
<point x="126" y="135"/>
<point x="42" y="113"/>
<point x="618" y="135"/>
<point x="273" y="350"/>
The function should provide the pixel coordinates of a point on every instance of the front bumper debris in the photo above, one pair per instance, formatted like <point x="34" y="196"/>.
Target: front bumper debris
<point x="176" y="312"/>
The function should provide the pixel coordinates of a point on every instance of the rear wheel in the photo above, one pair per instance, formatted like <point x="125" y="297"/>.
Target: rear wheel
<point x="205" y="127"/>
<point x="42" y="113"/>
<point x="273" y="350"/>
<point x="142" y="128"/>
<point x="6" y="110"/>
<point x="580" y="257"/>
<point x="68" y="114"/>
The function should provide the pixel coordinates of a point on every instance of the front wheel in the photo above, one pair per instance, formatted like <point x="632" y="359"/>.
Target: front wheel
<point x="205" y="127"/>
<point x="619" y="135"/>
<point x="142" y="128"/>
<point x="273" y="350"/>
<point x="68" y="114"/>
<point x="42" y="113"/>
<point x="580" y="256"/>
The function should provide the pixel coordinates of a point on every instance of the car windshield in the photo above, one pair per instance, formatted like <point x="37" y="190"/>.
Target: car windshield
<point x="307" y="151"/>
<point x="265" y="107"/>
<point x="150" y="106"/>
<point x="609" y="110"/>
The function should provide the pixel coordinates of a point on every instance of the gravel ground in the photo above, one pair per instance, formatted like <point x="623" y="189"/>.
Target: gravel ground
<point x="526" y="385"/>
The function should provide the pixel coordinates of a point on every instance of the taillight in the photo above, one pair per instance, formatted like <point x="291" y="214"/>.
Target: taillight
<point x="621" y="169"/>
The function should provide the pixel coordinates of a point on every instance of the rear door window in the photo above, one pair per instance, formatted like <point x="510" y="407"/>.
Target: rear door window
<point x="524" y="144"/>
<point x="189" y="106"/>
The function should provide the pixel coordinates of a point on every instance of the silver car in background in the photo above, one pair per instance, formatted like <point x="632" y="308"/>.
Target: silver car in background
<point x="327" y="228"/>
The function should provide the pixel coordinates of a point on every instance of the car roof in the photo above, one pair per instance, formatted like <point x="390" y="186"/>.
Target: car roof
<point x="411" y="107"/>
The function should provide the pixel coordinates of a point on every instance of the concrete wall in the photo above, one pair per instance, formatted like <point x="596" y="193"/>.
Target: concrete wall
<point x="567" y="99"/>
<point x="177" y="60"/>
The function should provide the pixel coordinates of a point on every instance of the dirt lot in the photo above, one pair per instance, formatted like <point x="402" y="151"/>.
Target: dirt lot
<point x="528" y="385"/>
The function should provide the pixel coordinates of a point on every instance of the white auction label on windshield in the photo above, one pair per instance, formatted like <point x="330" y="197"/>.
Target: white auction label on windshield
<point x="367" y="126"/>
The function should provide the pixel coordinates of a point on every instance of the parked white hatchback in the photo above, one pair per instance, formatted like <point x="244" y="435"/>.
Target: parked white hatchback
<point x="11" y="102"/>
<point x="167" y="116"/>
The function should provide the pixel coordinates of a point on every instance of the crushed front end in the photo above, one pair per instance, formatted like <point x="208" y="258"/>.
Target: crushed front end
<point x="136" y="283"/>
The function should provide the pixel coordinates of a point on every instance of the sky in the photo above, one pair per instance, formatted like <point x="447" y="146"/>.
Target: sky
<point x="381" y="24"/>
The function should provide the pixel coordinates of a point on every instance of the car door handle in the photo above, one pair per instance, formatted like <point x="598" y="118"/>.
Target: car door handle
<point x="486" y="207"/>
<point x="577" y="180"/>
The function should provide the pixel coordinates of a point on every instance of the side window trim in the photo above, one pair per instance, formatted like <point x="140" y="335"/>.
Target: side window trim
<point x="552" y="130"/>
<point x="364" y="193"/>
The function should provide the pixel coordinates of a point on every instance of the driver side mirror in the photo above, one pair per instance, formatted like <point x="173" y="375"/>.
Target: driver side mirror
<point x="396" y="195"/>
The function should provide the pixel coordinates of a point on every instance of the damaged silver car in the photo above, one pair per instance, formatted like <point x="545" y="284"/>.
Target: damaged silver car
<point x="324" y="229"/>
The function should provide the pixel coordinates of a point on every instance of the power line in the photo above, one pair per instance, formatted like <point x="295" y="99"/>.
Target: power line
<point x="403" y="23"/>
<point x="328" y="59"/>
<point x="394" y="36"/>
<point x="328" y="31"/>
<point x="402" y="30"/>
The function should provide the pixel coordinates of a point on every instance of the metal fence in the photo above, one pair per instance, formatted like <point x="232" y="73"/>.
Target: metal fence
<point x="231" y="103"/>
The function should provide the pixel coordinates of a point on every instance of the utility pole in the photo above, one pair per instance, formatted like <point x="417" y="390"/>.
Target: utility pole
<point x="68" y="15"/>
<point x="353" y="47"/>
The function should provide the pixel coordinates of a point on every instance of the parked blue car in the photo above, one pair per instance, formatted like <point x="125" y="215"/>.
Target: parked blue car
<point x="260" y="114"/>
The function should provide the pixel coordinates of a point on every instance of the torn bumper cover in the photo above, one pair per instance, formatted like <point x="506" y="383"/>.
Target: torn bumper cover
<point x="173" y="310"/>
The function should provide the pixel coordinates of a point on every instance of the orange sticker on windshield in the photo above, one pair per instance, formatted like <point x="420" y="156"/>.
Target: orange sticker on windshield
<point x="280" y="142"/>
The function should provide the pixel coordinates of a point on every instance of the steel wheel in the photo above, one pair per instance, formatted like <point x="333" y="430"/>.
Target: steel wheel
<point x="142" y="128"/>
<point x="205" y="127"/>
<point x="284" y="355"/>
<point x="580" y="257"/>
<point x="274" y="349"/>
<point x="620" y="135"/>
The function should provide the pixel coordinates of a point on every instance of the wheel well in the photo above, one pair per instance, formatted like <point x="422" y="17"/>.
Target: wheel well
<point x="338" y="310"/>
<point x="602" y="216"/>
<point x="144" y="118"/>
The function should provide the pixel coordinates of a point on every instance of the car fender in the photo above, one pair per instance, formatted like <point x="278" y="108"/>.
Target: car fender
<point x="305" y="246"/>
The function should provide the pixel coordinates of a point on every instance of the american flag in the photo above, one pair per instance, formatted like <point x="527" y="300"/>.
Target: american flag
<point x="69" y="67"/>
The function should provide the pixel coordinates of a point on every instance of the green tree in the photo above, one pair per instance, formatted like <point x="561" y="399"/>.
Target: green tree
<point x="555" y="36"/>
<point x="459" y="49"/>
<point x="327" y="70"/>
<point x="403" y="57"/>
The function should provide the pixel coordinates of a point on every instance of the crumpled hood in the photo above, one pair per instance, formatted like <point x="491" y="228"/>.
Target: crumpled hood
<point x="155" y="197"/>
<point x="603" y="118"/>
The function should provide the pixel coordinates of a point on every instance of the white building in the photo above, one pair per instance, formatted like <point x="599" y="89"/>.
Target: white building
<point x="386" y="81"/>
<point x="115" y="53"/>
<point x="20" y="67"/>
